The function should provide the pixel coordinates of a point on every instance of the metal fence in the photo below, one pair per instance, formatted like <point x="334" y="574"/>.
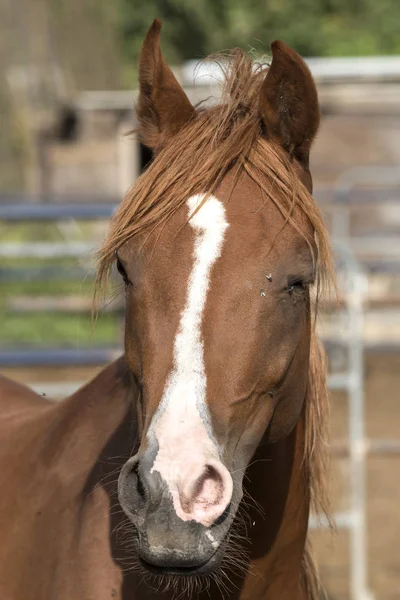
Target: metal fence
<point x="351" y="381"/>
<point x="348" y="247"/>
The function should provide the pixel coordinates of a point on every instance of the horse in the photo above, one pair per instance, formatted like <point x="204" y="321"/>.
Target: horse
<point x="211" y="429"/>
<point x="54" y="512"/>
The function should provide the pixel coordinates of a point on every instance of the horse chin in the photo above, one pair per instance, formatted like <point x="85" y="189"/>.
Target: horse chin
<point x="207" y="567"/>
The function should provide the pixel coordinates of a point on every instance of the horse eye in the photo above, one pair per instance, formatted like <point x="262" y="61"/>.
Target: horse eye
<point x="296" y="285"/>
<point x="121" y="271"/>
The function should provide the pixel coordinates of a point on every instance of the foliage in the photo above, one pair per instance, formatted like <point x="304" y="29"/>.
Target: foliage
<point x="312" y="27"/>
<point x="67" y="327"/>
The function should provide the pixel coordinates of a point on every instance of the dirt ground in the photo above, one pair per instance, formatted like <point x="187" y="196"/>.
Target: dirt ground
<point x="383" y="480"/>
<point x="382" y="384"/>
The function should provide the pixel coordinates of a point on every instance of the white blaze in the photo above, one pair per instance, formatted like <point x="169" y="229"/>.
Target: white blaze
<point x="181" y="425"/>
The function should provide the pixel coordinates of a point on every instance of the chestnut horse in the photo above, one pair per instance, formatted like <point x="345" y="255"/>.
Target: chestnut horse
<point x="214" y="421"/>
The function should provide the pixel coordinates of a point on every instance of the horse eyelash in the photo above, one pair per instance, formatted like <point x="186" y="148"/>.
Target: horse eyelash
<point x="299" y="284"/>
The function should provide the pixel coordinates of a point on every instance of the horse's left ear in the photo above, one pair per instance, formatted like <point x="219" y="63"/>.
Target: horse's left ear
<point x="289" y="103"/>
<point x="163" y="107"/>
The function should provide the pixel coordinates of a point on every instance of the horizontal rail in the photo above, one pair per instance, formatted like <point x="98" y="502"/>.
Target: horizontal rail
<point x="47" y="273"/>
<point x="98" y="356"/>
<point x="58" y="357"/>
<point x="46" y="249"/>
<point x="369" y="346"/>
<point x="77" y="305"/>
<point x="371" y="447"/>
<point x="341" y="520"/>
<point x="56" y="212"/>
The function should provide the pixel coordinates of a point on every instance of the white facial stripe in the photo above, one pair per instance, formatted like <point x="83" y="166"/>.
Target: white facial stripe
<point x="182" y="424"/>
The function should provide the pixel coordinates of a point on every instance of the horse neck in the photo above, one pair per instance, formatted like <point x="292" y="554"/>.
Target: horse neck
<point x="59" y="509"/>
<point x="63" y="441"/>
<point x="277" y="502"/>
<point x="81" y="425"/>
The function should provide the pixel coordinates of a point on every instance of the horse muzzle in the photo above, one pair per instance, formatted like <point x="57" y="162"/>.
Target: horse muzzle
<point x="166" y="542"/>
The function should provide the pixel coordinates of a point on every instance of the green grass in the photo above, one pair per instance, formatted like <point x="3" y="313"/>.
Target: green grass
<point x="46" y="288"/>
<point x="46" y="329"/>
<point x="29" y="261"/>
<point x="58" y="329"/>
<point x="44" y="232"/>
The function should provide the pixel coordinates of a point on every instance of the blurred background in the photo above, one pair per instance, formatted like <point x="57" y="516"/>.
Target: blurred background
<point x="67" y="90"/>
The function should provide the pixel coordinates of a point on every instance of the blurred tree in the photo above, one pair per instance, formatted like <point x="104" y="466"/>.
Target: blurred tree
<point x="83" y="38"/>
<point x="312" y="27"/>
<point x="49" y="49"/>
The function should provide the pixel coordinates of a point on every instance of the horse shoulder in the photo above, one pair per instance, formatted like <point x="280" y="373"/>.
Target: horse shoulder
<point x="15" y="396"/>
<point x="54" y="517"/>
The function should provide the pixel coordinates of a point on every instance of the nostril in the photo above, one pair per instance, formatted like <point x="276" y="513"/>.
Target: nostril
<point x="208" y="495"/>
<point x="209" y="487"/>
<point x="139" y="483"/>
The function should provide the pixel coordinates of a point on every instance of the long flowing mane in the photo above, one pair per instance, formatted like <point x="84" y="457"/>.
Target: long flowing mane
<point x="229" y="136"/>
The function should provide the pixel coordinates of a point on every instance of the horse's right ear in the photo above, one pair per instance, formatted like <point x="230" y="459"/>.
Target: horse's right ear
<point x="163" y="107"/>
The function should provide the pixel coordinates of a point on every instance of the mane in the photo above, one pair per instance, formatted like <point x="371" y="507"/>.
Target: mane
<point x="225" y="137"/>
<point x="316" y="453"/>
<point x="230" y="137"/>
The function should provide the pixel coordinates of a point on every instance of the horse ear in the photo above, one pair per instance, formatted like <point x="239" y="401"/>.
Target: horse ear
<point x="163" y="107"/>
<point x="289" y="102"/>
